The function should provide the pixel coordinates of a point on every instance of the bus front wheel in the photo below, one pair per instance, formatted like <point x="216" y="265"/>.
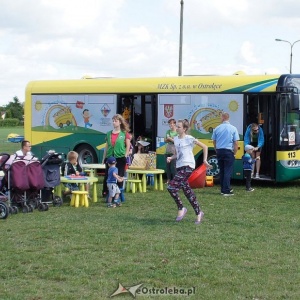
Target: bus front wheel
<point x="86" y="154"/>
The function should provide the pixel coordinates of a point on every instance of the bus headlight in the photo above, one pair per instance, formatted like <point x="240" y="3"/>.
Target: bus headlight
<point x="290" y="163"/>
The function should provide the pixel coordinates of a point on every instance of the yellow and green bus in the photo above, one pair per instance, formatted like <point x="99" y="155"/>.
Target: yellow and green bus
<point x="66" y="115"/>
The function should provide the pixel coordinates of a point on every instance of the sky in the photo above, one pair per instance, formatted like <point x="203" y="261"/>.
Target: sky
<point x="69" y="39"/>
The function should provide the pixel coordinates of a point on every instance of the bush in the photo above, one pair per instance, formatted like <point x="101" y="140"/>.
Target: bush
<point x="9" y="122"/>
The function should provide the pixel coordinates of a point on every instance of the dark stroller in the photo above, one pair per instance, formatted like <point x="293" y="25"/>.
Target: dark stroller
<point x="51" y="163"/>
<point x="25" y="181"/>
<point x="5" y="209"/>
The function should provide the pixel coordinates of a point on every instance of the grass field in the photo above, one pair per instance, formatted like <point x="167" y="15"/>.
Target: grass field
<point x="246" y="248"/>
<point x="5" y="145"/>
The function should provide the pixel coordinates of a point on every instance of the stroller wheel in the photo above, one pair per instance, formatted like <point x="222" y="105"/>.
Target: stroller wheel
<point x="46" y="207"/>
<point x="57" y="201"/>
<point x="15" y="210"/>
<point x="25" y="208"/>
<point x="41" y="206"/>
<point x="33" y="204"/>
<point x="31" y="207"/>
<point x="4" y="210"/>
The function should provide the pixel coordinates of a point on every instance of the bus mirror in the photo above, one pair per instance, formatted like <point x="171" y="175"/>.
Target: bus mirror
<point x="295" y="102"/>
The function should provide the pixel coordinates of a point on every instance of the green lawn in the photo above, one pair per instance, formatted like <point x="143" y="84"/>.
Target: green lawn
<point x="246" y="248"/>
<point x="5" y="145"/>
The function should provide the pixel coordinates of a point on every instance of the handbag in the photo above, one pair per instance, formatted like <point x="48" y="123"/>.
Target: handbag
<point x="151" y="160"/>
<point x="170" y="149"/>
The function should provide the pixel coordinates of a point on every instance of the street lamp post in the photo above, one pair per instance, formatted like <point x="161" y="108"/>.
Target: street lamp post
<point x="292" y="45"/>
<point x="180" y="38"/>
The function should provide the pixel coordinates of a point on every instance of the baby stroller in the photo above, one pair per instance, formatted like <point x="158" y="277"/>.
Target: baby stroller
<point x="25" y="181"/>
<point x="5" y="209"/>
<point x="51" y="163"/>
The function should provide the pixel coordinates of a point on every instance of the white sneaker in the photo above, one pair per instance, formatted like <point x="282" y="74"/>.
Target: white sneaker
<point x="231" y="191"/>
<point x="229" y="194"/>
<point x="257" y="176"/>
<point x="199" y="219"/>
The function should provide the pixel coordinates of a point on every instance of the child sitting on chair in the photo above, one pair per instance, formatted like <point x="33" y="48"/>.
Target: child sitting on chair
<point x="112" y="179"/>
<point x="71" y="167"/>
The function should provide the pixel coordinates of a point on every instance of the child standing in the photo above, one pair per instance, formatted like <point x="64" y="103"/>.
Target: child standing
<point x="71" y="167"/>
<point x="112" y="179"/>
<point x="248" y="163"/>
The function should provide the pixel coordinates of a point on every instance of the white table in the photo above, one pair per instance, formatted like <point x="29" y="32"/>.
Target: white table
<point x="93" y="168"/>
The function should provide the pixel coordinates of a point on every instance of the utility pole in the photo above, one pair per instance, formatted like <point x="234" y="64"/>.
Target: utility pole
<point x="180" y="38"/>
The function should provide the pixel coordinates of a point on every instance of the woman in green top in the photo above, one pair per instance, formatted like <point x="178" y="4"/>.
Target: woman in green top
<point x="118" y="146"/>
<point x="170" y="149"/>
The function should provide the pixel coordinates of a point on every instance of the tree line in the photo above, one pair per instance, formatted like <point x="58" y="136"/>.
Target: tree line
<point x="12" y="114"/>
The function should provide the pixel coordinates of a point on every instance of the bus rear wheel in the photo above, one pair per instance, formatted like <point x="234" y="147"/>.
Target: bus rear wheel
<point x="215" y="170"/>
<point x="86" y="154"/>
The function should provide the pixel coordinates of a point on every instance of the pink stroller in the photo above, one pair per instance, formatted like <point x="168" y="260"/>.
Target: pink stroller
<point x="25" y="181"/>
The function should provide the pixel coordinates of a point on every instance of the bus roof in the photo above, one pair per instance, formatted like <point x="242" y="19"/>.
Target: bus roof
<point x="183" y="84"/>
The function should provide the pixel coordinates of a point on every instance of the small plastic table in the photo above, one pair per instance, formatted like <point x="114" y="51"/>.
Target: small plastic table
<point x="157" y="173"/>
<point x="81" y="182"/>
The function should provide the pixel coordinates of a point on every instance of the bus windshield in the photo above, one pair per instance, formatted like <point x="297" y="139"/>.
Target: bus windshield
<point x="289" y="123"/>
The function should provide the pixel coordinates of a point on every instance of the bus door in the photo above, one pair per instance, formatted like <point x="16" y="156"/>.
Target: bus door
<point x="260" y="109"/>
<point x="141" y="113"/>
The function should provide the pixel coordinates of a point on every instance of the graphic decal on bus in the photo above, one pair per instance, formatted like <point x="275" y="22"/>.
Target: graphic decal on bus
<point x="206" y="119"/>
<point x="105" y="110"/>
<point x="73" y="113"/>
<point x="168" y="110"/>
<point x="62" y="116"/>
<point x="202" y="110"/>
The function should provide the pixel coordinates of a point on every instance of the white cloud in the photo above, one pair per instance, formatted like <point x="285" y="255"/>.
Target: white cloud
<point x="54" y="39"/>
<point x="247" y="53"/>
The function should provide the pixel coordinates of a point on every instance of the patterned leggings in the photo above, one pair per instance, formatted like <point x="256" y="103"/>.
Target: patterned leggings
<point x="180" y="181"/>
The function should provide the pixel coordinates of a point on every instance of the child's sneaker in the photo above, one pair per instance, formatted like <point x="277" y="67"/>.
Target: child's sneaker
<point x="111" y="205"/>
<point x="257" y="176"/>
<point x="250" y="190"/>
<point x="107" y="197"/>
<point x="117" y="202"/>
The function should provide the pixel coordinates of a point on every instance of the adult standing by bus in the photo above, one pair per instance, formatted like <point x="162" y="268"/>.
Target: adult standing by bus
<point x="254" y="136"/>
<point x="225" y="139"/>
<point x="170" y="149"/>
<point x="118" y="146"/>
